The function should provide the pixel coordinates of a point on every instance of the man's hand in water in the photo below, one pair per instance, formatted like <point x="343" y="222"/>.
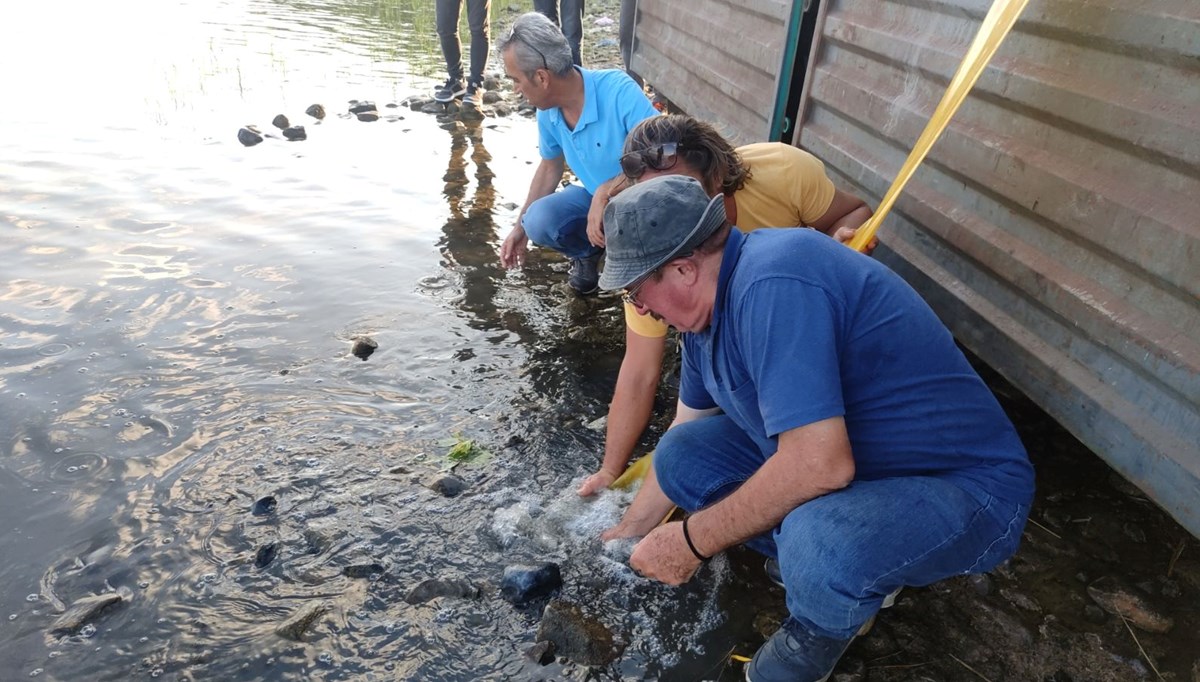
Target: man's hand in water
<point x="664" y="555"/>
<point x="596" y="482"/>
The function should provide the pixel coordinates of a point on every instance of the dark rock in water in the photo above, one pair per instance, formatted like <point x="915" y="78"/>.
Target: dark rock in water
<point x="316" y="111"/>
<point x="280" y="122"/>
<point x="438" y="587"/>
<point x="447" y="485"/>
<point x="362" y="570"/>
<point x="522" y="583"/>
<point x="363" y="347"/>
<point x="249" y="137"/>
<point x="265" y="555"/>
<point x="576" y="636"/>
<point x="264" y="505"/>
<point x="491" y="97"/>
<point x="541" y="653"/>
<point x="301" y="621"/>
<point x="368" y="116"/>
<point x="1121" y="601"/>
<point x="295" y="133"/>
<point x="360" y="107"/>
<point x="431" y="107"/>
<point x="83" y="612"/>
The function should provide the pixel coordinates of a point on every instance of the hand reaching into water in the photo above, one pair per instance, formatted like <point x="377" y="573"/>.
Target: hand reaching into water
<point x="596" y="482"/>
<point x="512" y="252"/>
<point x="663" y="555"/>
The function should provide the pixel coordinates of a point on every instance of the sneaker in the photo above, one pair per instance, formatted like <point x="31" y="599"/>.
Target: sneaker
<point x="474" y="96"/>
<point x="793" y="653"/>
<point x="584" y="275"/>
<point x="452" y="88"/>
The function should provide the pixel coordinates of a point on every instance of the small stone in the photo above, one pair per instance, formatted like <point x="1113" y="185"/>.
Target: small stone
<point x="1094" y="613"/>
<point x="523" y="582"/>
<point x="438" y="587"/>
<point x="576" y="636"/>
<point x="264" y="506"/>
<point x="363" y="347"/>
<point x="249" y="137"/>
<point x="357" y="107"/>
<point x="295" y="133"/>
<point x="432" y="107"/>
<point x="491" y="97"/>
<point x="280" y="122"/>
<point x="398" y="470"/>
<point x="598" y="424"/>
<point x="368" y="116"/>
<point x="501" y="109"/>
<point x="981" y="584"/>
<point x="541" y="653"/>
<point x="447" y="485"/>
<point x="1121" y="602"/>
<point x="299" y="623"/>
<point x="362" y="570"/>
<point x="82" y="612"/>
<point x="316" y="111"/>
<point x="265" y="555"/>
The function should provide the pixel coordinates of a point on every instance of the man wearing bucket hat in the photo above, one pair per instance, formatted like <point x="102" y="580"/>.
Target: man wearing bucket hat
<point x="826" y="418"/>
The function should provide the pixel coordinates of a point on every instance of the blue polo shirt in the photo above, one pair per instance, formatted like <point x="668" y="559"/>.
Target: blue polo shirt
<point x="805" y="329"/>
<point x="612" y="105"/>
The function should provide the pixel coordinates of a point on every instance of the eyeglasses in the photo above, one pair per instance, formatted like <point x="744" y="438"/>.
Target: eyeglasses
<point x="629" y="296"/>
<point x="526" y="43"/>
<point x="659" y="157"/>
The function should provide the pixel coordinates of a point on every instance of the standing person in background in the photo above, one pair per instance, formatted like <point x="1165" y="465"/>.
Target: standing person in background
<point x="766" y="184"/>
<point x="447" y="12"/>
<point x="569" y="15"/>
<point x="583" y="118"/>
<point x="628" y="19"/>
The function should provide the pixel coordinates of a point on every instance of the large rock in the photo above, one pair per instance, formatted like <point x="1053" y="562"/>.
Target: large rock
<point x="523" y="583"/>
<point x="301" y="621"/>
<point x="82" y="612"/>
<point x="575" y="635"/>
<point x="1122" y="602"/>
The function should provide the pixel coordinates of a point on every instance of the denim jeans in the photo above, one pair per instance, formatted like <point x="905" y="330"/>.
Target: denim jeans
<point x="559" y="221"/>
<point x="842" y="553"/>
<point x="446" y="12"/>
<point x="571" y="22"/>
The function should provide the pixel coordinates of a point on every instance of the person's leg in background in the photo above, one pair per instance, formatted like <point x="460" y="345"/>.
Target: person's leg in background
<point x="548" y="8"/>
<point x="628" y="18"/>
<point x="571" y="14"/>
<point x="446" y="13"/>
<point x="478" y="12"/>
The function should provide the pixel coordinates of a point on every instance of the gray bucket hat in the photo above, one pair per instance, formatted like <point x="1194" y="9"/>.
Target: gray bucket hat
<point x="653" y="222"/>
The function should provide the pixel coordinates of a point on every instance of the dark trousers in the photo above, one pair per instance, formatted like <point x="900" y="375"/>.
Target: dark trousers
<point x="447" y="12"/>
<point x="628" y="17"/>
<point x="570" y="19"/>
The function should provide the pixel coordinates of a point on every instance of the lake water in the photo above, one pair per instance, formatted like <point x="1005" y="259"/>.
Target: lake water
<point x="176" y="318"/>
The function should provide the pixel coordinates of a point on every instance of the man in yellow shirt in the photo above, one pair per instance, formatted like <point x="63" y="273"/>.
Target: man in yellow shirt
<point x="767" y="184"/>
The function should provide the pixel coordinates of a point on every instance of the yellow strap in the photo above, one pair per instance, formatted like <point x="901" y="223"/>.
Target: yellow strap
<point x="996" y="25"/>
<point x="635" y="472"/>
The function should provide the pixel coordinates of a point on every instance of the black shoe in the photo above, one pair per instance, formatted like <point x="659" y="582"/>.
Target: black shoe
<point x="584" y="275"/>
<point x="793" y="653"/>
<point x="474" y="96"/>
<point x="452" y="88"/>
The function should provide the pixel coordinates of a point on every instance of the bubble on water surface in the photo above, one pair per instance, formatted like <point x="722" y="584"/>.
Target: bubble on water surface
<point x="33" y="597"/>
<point x="325" y="657"/>
<point x="52" y="349"/>
<point x="78" y="466"/>
<point x="87" y="631"/>
<point x="82" y="370"/>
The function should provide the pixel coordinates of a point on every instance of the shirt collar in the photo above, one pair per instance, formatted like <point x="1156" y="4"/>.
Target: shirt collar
<point x="588" y="114"/>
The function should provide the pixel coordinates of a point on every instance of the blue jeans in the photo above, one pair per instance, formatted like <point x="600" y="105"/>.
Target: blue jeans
<point x="842" y="553"/>
<point x="559" y="221"/>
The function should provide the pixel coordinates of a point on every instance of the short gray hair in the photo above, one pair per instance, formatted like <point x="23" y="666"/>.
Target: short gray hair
<point x="537" y="44"/>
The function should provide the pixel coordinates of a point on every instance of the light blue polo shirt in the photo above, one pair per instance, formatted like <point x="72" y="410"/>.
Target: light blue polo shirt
<point x="805" y="329"/>
<point x="612" y="105"/>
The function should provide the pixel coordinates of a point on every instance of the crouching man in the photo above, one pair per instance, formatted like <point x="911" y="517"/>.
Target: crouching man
<point x="826" y="419"/>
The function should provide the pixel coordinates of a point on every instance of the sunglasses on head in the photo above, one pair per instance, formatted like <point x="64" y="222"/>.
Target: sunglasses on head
<point x="659" y="157"/>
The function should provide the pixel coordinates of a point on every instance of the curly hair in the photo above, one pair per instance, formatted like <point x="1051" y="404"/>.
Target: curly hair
<point x="701" y="147"/>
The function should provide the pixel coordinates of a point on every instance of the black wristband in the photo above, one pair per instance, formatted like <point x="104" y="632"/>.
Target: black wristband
<point x="688" y="537"/>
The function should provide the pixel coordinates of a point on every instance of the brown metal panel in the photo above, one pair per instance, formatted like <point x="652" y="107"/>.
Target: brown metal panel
<point x="715" y="59"/>
<point x="1055" y="225"/>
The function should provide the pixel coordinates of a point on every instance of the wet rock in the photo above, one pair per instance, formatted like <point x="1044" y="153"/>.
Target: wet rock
<point x="440" y="587"/>
<point x="598" y="424"/>
<point x="491" y="97"/>
<point x="82" y="612"/>
<point x="265" y="555"/>
<point x="491" y="83"/>
<point x="541" y="653"/>
<point x="368" y="116"/>
<point x="575" y="635"/>
<point x="452" y="126"/>
<point x="1120" y="601"/>
<point x="301" y="621"/>
<point x="280" y="122"/>
<point x="362" y="570"/>
<point x="431" y="107"/>
<point x="501" y="109"/>
<point x="1021" y="600"/>
<point x="447" y="485"/>
<point x="981" y="584"/>
<point x="357" y="107"/>
<point x="249" y="137"/>
<point x="316" y="111"/>
<point x="418" y="103"/>
<point x="522" y="583"/>
<point x="264" y="506"/>
<point x="363" y="347"/>
<point x="401" y="469"/>
<point x="295" y="133"/>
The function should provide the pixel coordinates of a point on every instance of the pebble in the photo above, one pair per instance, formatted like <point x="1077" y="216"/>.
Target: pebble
<point x="447" y="485"/>
<point x="280" y="122"/>
<point x="316" y="111"/>
<point x="525" y="582"/>
<point x="249" y="137"/>
<point x="295" y="133"/>
<point x="440" y="587"/>
<point x="264" y="506"/>
<point x="362" y="570"/>
<point x="82" y="612"/>
<point x="541" y="653"/>
<point x="265" y="555"/>
<point x="363" y="347"/>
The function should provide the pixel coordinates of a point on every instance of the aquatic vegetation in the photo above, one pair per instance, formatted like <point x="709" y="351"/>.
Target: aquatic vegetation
<point x="465" y="451"/>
